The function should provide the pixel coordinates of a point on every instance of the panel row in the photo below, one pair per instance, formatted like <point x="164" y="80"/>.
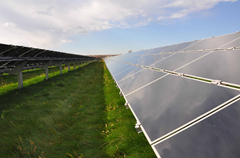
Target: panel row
<point x="165" y="104"/>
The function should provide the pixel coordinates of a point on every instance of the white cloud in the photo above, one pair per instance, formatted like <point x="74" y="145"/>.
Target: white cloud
<point x="66" y="41"/>
<point x="44" y="23"/>
<point x="189" y="6"/>
<point x="9" y="24"/>
<point x="161" y="18"/>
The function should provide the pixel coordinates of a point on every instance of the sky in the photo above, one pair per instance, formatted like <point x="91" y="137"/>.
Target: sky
<point x="93" y="27"/>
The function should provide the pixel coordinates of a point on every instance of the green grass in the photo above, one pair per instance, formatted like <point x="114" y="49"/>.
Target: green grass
<point x="76" y="114"/>
<point x="9" y="82"/>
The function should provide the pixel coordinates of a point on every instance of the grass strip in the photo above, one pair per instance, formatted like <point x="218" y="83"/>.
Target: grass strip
<point x="9" y="82"/>
<point x="77" y="114"/>
<point x="121" y="138"/>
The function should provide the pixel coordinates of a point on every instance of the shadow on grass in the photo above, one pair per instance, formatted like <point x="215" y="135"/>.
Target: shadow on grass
<point x="8" y="79"/>
<point x="61" y="117"/>
<point x="77" y="114"/>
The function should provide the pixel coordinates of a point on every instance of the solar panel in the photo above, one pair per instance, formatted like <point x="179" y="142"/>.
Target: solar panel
<point x="14" y="59"/>
<point x="116" y="66"/>
<point x="221" y="65"/>
<point x="167" y="104"/>
<point x="214" y="42"/>
<point x="127" y="72"/>
<point x="177" y="60"/>
<point x="173" y="101"/>
<point x="216" y="136"/>
<point x="179" y="47"/>
<point x="138" y="80"/>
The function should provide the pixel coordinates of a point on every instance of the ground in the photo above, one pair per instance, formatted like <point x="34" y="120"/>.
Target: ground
<point x="77" y="114"/>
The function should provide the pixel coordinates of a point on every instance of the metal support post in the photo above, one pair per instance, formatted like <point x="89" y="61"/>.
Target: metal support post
<point x="69" y="67"/>
<point x="74" y="66"/>
<point x="60" y="66"/>
<point x="78" y="64"/>
<point x="18" y="71"/>
<point x="20" y="80"/>
<point x="46" y="73"/>
<point x="45" y="67"/>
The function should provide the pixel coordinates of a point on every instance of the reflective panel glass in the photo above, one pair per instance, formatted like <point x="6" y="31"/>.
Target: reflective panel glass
<point x="173" y="101"/>
<point x="151" y="59"/>
<point x="179" y="47"/>
<point x="138" y="80"/>
<point x="177" y="60"/>
<point x="130" y="70"/>
<point x="212" y="43"/>
<point x="122" y="67"/>
<point x="221" y="65"/>
<point x="112" y="64"/>
<point x="218" y="136"/>
<point x="127" y="72"/>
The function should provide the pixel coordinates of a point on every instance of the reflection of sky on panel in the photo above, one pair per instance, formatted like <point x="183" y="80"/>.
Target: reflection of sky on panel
<point x="146" y="62"/>
<point x="173" y="101"/>
<point x="235" y="43"/>
<point x="214" y="137"/>
<point x="120" y="68"/>
<point x="165" y="49"/>
<point x="114" y="65"/>
<point x="179" y="47"/>
<point x="139" y="59"/>
<point x="111" y="64"/>
<point x="216" y="42"/>
<point x="221" y="65"/>
<point x="129" y="71"/>
<point x="138" y="80"/>
<point x="178" y="60"/>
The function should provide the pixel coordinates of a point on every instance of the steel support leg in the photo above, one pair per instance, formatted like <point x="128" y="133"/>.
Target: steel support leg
<point x="20" y="80"/>
<point x="46" y="73"/>
<point x="60" y="69"/>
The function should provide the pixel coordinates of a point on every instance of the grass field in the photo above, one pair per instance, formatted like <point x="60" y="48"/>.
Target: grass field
<point x="77" y="114"/>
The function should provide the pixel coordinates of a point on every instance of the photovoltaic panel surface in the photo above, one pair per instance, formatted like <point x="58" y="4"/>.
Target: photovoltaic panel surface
<point x="127" y="72"/>
<point x="167" y="103"/>
<point x="178" y="47"/>
<point x="215" y="137"/>
<point x="174" y="101"/>
<point x="177" y="60"/>
<point x="138" y="80"/>
<point x="221" y="65"/>
<point x="148" y="61"/>
<point x="214" y="42"/>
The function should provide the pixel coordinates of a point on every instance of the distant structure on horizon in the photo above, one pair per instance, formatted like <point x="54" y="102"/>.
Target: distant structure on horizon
<point x="104" y="56"/>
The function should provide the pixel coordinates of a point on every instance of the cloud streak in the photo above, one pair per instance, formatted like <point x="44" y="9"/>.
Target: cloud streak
<point x="43" y="23"/>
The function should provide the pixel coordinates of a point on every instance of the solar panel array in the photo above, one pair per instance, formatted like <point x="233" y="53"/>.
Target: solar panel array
<point x="185" y="97"/>
<point x="14" y="59"/>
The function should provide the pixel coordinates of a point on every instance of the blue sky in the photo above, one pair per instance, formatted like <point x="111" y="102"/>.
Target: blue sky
<point x="112" y="26"/>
